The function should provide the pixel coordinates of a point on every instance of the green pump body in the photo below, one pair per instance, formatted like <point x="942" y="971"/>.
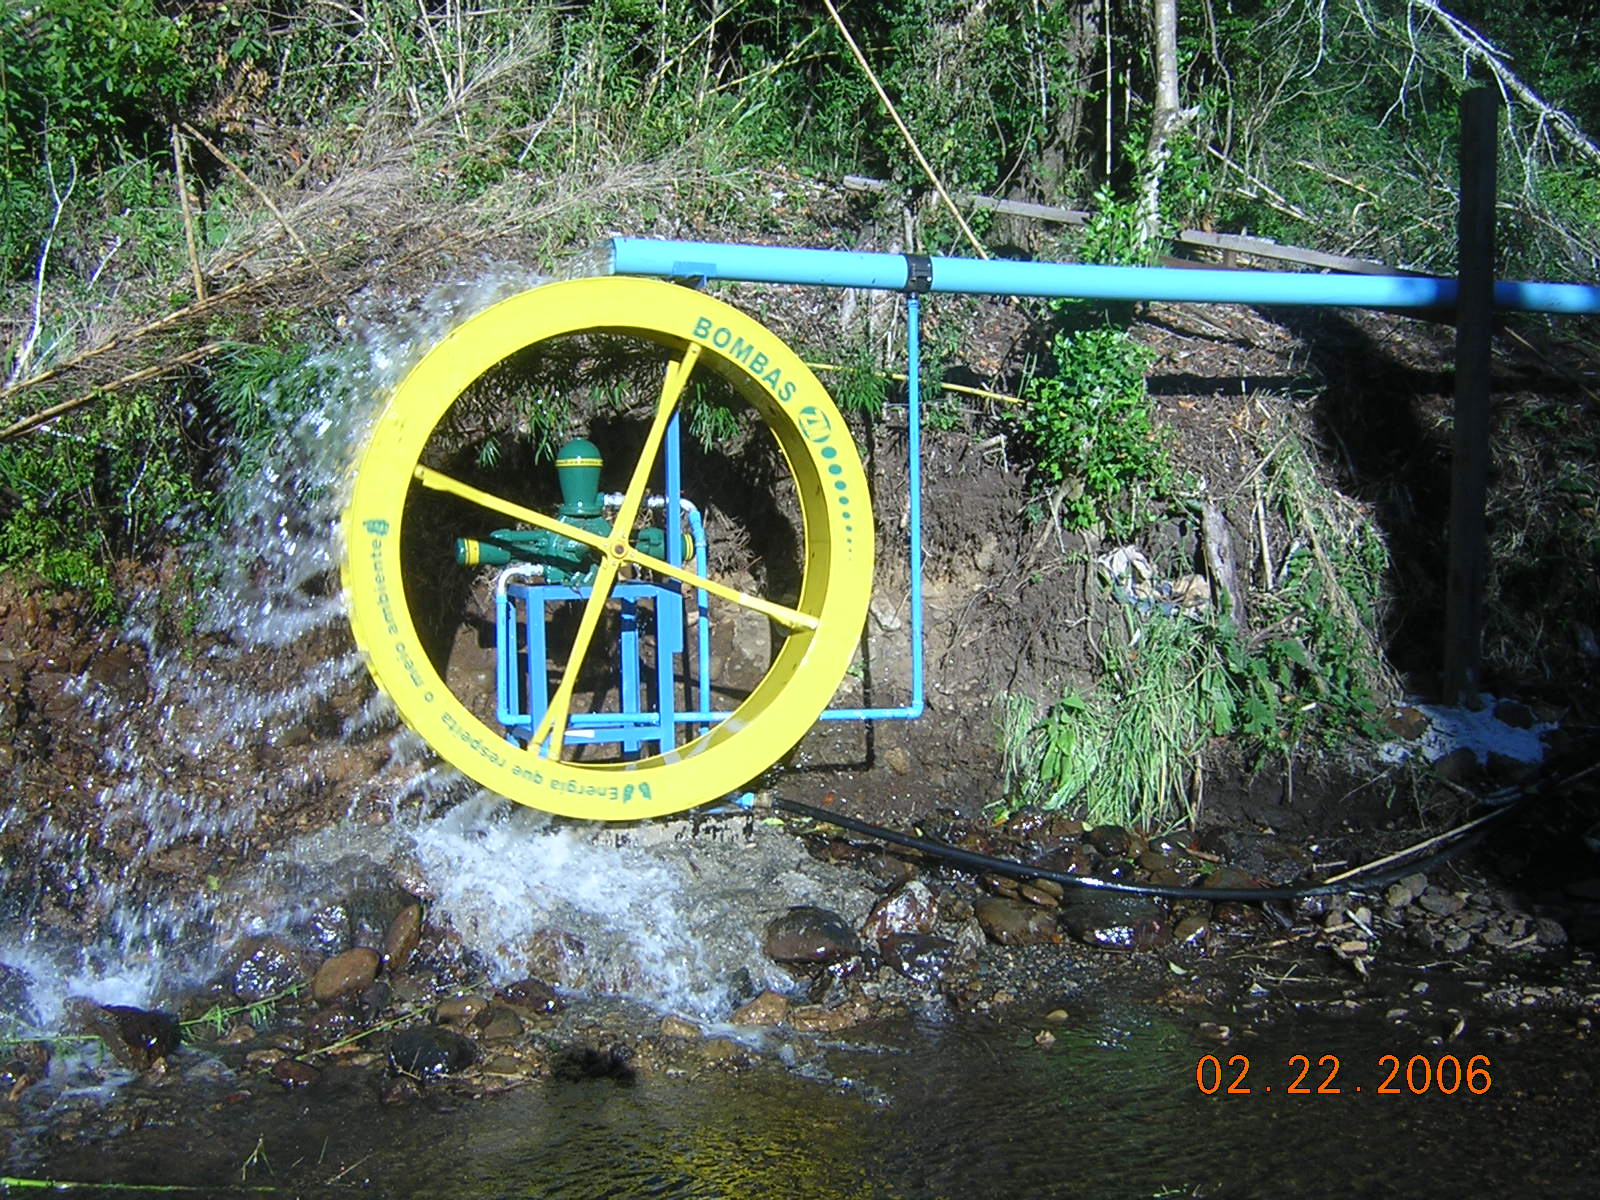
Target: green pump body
<point x="565" y="561"/>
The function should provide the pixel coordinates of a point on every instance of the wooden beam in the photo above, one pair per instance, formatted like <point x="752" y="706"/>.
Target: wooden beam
<point x="1469" y="475"/>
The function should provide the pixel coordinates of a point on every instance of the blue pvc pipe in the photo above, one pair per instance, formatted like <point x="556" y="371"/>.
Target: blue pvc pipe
<point x="850" y="268"/>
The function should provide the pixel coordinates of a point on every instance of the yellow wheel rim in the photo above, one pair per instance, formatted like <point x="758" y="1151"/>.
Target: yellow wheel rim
<point x="819" y="628"/>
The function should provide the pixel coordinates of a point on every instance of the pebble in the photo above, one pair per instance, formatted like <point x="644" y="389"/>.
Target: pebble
<point x="910" y="908"/>
<point x="769" y="1008"/>
<point x="401" y="939"/>
<point x="810" y="936"/>
<point x="1013" y="923"/>
<point x="292" y="1073"/>
<point x="677" y="1027"/>
<point x="459" y="1010"/>
<point x="430" y="1050"/>
<point x="263" y="967"/>
<point x="344" y="974"/>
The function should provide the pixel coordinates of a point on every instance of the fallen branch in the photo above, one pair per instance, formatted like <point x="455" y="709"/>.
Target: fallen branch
<point x="44" y="416"/>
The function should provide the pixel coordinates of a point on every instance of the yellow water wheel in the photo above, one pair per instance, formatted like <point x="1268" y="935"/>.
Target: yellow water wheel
<point x="809" y="625"/>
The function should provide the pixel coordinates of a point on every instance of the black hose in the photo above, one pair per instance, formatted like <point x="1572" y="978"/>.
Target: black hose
<point x="1017" y="870"/>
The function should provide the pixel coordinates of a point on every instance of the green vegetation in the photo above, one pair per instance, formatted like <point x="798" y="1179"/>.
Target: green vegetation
<point x="196" y="199"/>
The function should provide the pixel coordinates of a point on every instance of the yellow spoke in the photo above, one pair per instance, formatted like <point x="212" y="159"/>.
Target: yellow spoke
<point x="554" y="722"/>
<point x="440" y="482"/>
<point x="678" y="372"/>
<point x="790" y="618"/>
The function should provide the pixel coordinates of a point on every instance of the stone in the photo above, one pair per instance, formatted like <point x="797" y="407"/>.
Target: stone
<point x="769" y="1008"/>
<point x="401" y="938"/>
<point x="264" y="967"/>
<point x="919" y="956"/>
<point x="293" y="1073"/>
<point x="533" y="994"/>
<point x="345" y="974"/>
<point x="558" y="957"/>
<point x="910" y="908"/>
<point x="430" y="1050"/>
<point x="1192" y="929"/>
<point x="1440" y="902"/>
<point x="1115" y="921"/>
<point x="809" y="936"/>
<point x="1550" y="932"/>
<point x="813" y="1018"/>
<point x="1110" y="840"/>
<point x="1036" y="895"/>
<point x="1012" y="923"/>
<point x="677" y="1027"/>
<point x="459" y="1010"/>
<point x="498" y="1024"/>
<point x="1230" y="878"/>
<point x="137" y="1037"/>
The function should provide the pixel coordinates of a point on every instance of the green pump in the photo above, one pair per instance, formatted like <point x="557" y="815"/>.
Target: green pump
<point x="565" y="561"/>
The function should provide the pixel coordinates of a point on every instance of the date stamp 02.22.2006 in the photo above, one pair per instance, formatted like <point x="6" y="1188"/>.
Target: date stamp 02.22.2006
<point x="1419" y="1075"/>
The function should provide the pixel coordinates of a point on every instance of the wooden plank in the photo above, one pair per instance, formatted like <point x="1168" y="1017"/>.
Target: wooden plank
<point x="1266" y="248"/>
<point x="1469" y="474"/>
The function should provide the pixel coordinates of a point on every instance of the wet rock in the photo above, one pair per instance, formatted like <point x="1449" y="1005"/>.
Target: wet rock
<point x="769" y="1008"/>
<point x="1001" y="885"/>
<point x="120" y="672"/>
<point x="1235" y="914"/>
<point x="15" y="987"/>
<point x="293" y="1074"/>
<point x="809" y="936"/>
<point x="344" y="974"/>
<point x="813" y="1018"/>
<point x="1455" y="943"/>
<point x="1406" y="723"/>
<point x="1013" y="923"/>
<point x="429" y="1050"/>
<point x="374" y="909"/>
<point x="919" y="956"/>
<point x="460" y="1010"/>
<point x="27" y="1064"/>
<point x="137" y="1038"/>
<point x="1229" y="878"/>
<point x="328" y="929"/>
<point x="498" y="1024"/>
<point x="1515" y="714"/>
<point x="677" y="1027"/>
<point x="1038" y="896"/>
<point x="401" y="938"/>
<point x="533" y="994"/>
<point x="1112" y="841"/>
<point x="263" y="967"/>
<point x="1115" y="921"/>
<point x="1459" y="766"/>
<point x="331" y="1025"/>
<point x="559" y="957"/>
<point x="910" y="908"/>
<point x="1070" y="858"/>
<point x="1192" y="929"/>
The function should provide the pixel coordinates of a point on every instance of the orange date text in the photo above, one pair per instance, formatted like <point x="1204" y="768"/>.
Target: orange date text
<point x="1417" y="1075"/>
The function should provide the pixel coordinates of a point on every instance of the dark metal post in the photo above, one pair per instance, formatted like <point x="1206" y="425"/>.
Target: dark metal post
<point x="1480" y="109"/>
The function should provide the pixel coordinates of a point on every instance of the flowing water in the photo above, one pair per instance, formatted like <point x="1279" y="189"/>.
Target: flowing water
<point x="670" y="913"/>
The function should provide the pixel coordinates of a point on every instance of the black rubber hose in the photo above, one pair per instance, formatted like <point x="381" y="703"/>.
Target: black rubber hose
<point x="1017" y="870"/>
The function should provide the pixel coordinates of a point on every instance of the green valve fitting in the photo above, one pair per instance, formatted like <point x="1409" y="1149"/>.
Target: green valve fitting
<point x="578" y="472"/>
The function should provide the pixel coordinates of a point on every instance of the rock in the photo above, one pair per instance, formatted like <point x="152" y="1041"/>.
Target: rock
<point x="1037" y="895"/>
<point x="1115" y="921"/>
<point x="137" y="1038"/>
<point x="1406" y="891"/>
<point x="1440" y="902"/>
<point x="813" y="1018"/>
<point x="498" y="1024"/>
<point x="429" y="1050"/>
<point x="293" y="1073"/>
<point x="677" y="1027"/>
<point x="121" y="673"/>
<point x="1406" y="723"/>
<point x="1257" y="854"/>
<point x="1515" y="714"/>
<point x="331" y="1025"/>
<point x="1455" y="943"/>
<point x="327" y="930"/>
<point x="1192" y="928"/>
<point x="1549" y="932"/>
<point x="344" y="974"/>
<point x="1459" y="766"/>
<point x="1110" y="840"/>
<point x="769" y="1008"/>
<point x="558" y="957"/>
<point x="401" y="938"/>
<point x="1012" y="923"/>
<point x="809" y="936"/>
<point x="535" y="994"/>
<point x="1069" y="858"/>
<point x="919" y="956"/>
<point x="1230" y="878"/>
<point x="459" y="1010"/>
<point x="910" y="908"/>
<point x="264" y="967"/>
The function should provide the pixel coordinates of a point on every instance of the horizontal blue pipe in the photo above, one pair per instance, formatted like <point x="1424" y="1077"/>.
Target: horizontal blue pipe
<point x="852" y="268"/>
